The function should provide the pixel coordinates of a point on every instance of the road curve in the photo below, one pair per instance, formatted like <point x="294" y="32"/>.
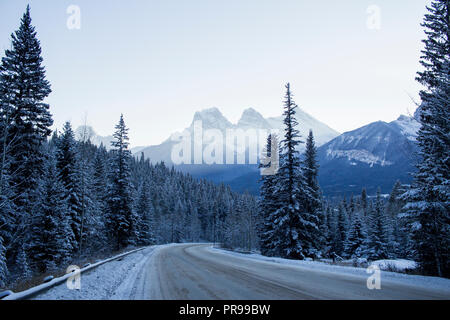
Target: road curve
<point x="194" y="271"/>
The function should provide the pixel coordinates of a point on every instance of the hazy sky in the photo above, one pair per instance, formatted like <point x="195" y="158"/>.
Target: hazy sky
<point x="160" y="61"/>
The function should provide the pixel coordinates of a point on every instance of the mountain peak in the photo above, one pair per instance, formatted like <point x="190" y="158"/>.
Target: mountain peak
<point x="409" y="126"/>
<point x="211" y="118"/>
<point x="252" y="119"/>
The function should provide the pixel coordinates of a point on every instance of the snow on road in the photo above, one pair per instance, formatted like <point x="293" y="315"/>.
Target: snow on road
<point x="198" y="271"/>
<point x="393" y="277"/>
<point x="112" y="280"/>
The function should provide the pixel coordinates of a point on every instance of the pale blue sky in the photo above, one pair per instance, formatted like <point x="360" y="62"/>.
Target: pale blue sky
<point x="160" y="61"/>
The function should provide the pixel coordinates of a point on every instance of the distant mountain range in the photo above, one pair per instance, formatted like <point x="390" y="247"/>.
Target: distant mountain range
<point x="213" y="119"/>
<point x="375" y="155"/>
<point x="372" y="156"/>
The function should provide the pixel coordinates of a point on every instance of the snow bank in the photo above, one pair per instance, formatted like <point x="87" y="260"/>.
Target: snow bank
<point x="395" y="265"/>
<point x="57" y="289"/>
<point x="102" y="283"/>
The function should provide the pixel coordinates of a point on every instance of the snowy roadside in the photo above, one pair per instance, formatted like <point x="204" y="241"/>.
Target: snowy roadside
<point x="425" y="282"/>
<point x="112" y="280"/>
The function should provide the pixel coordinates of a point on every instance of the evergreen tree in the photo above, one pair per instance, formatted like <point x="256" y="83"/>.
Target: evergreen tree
<point x="326" y="227"/>
<point x="68" y="169"/>
<point x="394" y="206"/>
<point x="428" y="199"/>
<point x="51" y="236"/>
<point x="26" y="121"/>
<point x="24" y="272"/>
<point x="356" y="243"/>
<point x="310" y="168"/>
<point x="297" y="225"/>
<point x="268" y="204"/>
<point x="88" y="209"/>
<point x="379" y="231"/>
<point x="120" y="198"/>
<point x="144" y="211"/>
<point x="341" y="229"/>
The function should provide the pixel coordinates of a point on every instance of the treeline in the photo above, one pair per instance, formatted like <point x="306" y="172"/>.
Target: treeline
<point x="295" y="221"/>
<point x="366" y="228"/>
<point x="62" y="198"/>
<point x="415" y="221"/>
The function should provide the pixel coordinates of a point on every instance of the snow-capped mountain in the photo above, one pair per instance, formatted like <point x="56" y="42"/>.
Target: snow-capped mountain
<point x="372" y="156"/>
<point x="322" y="132"/>
<point x="239" y="176"/>
<point x="251" y="119"/>
<point x="212" y="118"/>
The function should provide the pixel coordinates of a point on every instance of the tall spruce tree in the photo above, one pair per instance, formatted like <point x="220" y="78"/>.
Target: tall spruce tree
<point x="268" y="203"/>
<point x="26" y="120"/>
<point x="355" y="245"/>
<point x="310" y="168"/>
<point x="51" y="236"/>
<point x="342" y="227"/>
<point x="378" y="247"/>
<point x="120" y="194"/>
<point x="23" y="272"/>
<point x="68" y="169"/>
<point x="428" y="204"/>
<point x="297" y="226"/>
<point x="145" y="213"/>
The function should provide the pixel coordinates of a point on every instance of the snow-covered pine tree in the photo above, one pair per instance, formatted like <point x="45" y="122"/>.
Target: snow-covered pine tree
<point x="23" y="270"/>
<point x="98" y="235"/>
<point x="297" y="226"/>
<point x="326" y="229"/>
<point x="393" y="209"/>
<point x="355" y="245"/>
<point x="395" y="203"/>
<point x="436" y="54"/>
<point x="232" y="228"/>
<point x="68" y="171"/>
<point x="144" y="211"/>
<point x="28" y="120"/>
<point x="310" y="168"/>
<point x="342" y="226"/>
<point x="378" y="246"/>
<point x="51" y="236"/>
<point x="120" y="200"/>
<point x="88" y="206"/>
<point x="268" y="205"/>
<point x="428" y="199"/>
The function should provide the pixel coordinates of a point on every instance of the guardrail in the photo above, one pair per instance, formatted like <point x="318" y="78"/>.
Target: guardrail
<point x="29" y="293"/>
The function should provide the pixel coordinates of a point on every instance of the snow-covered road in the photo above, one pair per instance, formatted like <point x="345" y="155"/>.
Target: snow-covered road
<point x="197" y="271"/>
